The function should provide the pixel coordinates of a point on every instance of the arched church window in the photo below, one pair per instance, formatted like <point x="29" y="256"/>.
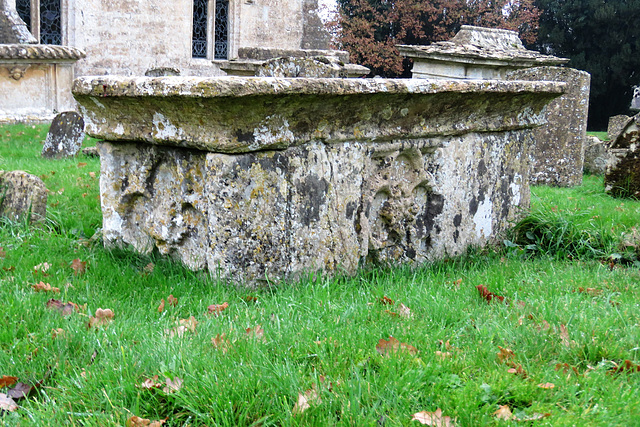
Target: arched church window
<point x="203" y="22"/>
<point x="221" y="32"/>
<point x="43" y="19"/>
<point x="50" y="22"/>
<point x="200" y="25"/>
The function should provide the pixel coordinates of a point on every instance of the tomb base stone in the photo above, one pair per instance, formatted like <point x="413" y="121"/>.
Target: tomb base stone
<point x="414" y="172"/>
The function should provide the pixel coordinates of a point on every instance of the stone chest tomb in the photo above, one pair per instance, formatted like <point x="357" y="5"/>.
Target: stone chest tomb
<point x="269" y="178"/>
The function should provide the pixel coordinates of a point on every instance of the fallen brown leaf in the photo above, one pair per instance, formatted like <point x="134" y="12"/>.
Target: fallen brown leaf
<point x="385" y="300"/>
<point x="44" y="287"/>
<point x="21" y="390"/>
<point x="82" y="164"/>
<point x="434" y="419"/>
<point x="172" y="301"/>
<point x="256" y="332"/>
<point x="42" y="268"/>
<point x="626" y="366"/>
<point x="7" y="403"/>
<point x="184" y="325"/>
<point x="148" y="269"/>
<point x="189" y="323"/>
<point x="443" y="355"/>
<point x="64" y="309"/>
<point x="564" y="336"/>
<point x="7" y="381"/>
<point x="517" y="370"/>
<point x="161" y="306"/>
<point x="250" y="298"/>
<point x="488" y="296"/>
<point x="386" y="348"/>
<point x="505" y="354"/>
<point x="405" y="311"/>
<point x="216" y="309"/>
<point x="547" y="386"/>
<point x="305" y="400"/>
<point x="55" y="333"/>
<point x="102" y="318"/>
<point x="151" y="383"/>
<point x="135" y="421"/>
<point x="565" y="368"/>
<point x="392" y="313"/>
<point x="220" y="342"/>
<point x="504" y="413"/>
<point x="79" y="267"/>
<point x="173" y="385"/>
<point x="590" y="291"/>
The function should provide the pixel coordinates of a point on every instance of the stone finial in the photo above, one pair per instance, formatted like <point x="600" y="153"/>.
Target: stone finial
<point x="22" y="196"/>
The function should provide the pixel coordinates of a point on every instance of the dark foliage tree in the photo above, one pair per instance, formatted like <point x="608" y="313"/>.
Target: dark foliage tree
<point x="601" y="37"/>
<point x="370" y="29"/>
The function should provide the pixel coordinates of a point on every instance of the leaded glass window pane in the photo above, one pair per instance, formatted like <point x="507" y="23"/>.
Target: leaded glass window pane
<point x="221" y="30"/>
<point x="50" y="22"/>
<point x="199" y="40"/>
<point x="24" y="10"/>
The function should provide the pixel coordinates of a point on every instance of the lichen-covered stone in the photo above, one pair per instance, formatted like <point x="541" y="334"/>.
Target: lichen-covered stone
<point x="596" y="156"/>
<point x="616" y="123"/>
<point x="22" y="196"/>
<point x="558" y="152"/>
<point x="317" y="67"/>
<point x="622" y="176"/>
<point x="377" y="171"/>
<point x="65" y="136"/>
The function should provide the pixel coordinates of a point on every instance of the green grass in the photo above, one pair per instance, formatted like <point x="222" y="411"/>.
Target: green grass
<point x="600" y="134"/>
<point x="326" y="328"/>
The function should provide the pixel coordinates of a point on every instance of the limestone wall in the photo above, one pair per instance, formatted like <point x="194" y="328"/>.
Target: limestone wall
<point x="127" y="37"/>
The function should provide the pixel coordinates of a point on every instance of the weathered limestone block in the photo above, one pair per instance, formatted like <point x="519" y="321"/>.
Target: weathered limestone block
<point x="318" y="66"/>
<point x="558" y="153"/>
<point x="616" y="123"/>
<point x="315" y="174"/>
<point x="622" y="176"/>
<point x="22" y="196"/>
<point x="65" y="136"/>
<point x="596" y="155"/>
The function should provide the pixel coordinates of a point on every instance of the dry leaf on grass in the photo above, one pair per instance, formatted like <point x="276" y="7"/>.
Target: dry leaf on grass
<point x="488" y="296"/>
<point x="566" y="367"/>
<point x="184" y="325"/>
<point x="220" y="342"/>
<point x="504" y="413"/>
<point x="22" y="390"/>
<point x="305" y="400"/>
<point x="434" y="419"/>
<point x="564" y="336"/>
<point x="148" y="269"/>
<point x="79" y="267"/>
<point x="102" y="318"/>
<point x="405" y="311"/>
<point x="135" y="421"/>
<point x="386" y="348"/>
<point x="590" y="291"/>
<point x="172" y="385"/>
<point x="626" y="366"/>
<point x="161" y="306"/>
<point x="505" y="354"/>
<point x="257" y="332"/>
<point x="216" y="309"/>
<point x="44" y="287"/>
<point x="385" y="300"/>
<point x="64" y="309"/>
<point x="172" y="301"/>
<point x="547" y="386"/>
<point x="7" y="403"/>
<point x="442" y="355"/>
<point x="517" y="370"/>
<point x="7" y="381"/>
<point x="43" y="267"/>
<point x="168" y="385"/>
<point x="58" y="332"/>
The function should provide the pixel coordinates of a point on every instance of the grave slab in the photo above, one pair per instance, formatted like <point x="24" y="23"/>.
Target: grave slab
<point x="65" y="136"/>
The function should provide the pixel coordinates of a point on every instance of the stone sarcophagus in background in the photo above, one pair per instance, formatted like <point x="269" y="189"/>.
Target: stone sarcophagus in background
<point x="269" y="178"/>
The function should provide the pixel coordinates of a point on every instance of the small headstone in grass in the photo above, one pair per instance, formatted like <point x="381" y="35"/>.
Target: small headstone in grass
<point x="622" y="176"/>
<point x="65" y="136"/>
<point x="596" y="153"/>
<point x="22" y="196"/>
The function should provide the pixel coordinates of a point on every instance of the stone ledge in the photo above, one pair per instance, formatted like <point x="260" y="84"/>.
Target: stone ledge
<point x="39" y="52"/>
<point x="235" y="114"/>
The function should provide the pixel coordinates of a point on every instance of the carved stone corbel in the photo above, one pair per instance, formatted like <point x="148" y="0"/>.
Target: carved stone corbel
<point x="16" y="71"/>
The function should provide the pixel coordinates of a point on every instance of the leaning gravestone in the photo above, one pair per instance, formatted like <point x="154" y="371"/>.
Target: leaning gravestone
<point x="622" y="177"/>
<point x="22" y="196"/>
<point x="616" y="123"/>
<point x="65" y="136"/>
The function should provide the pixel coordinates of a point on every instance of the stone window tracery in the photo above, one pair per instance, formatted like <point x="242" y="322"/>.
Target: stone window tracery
<point x="43" y="19"/>
<point x="210" y="37"/>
